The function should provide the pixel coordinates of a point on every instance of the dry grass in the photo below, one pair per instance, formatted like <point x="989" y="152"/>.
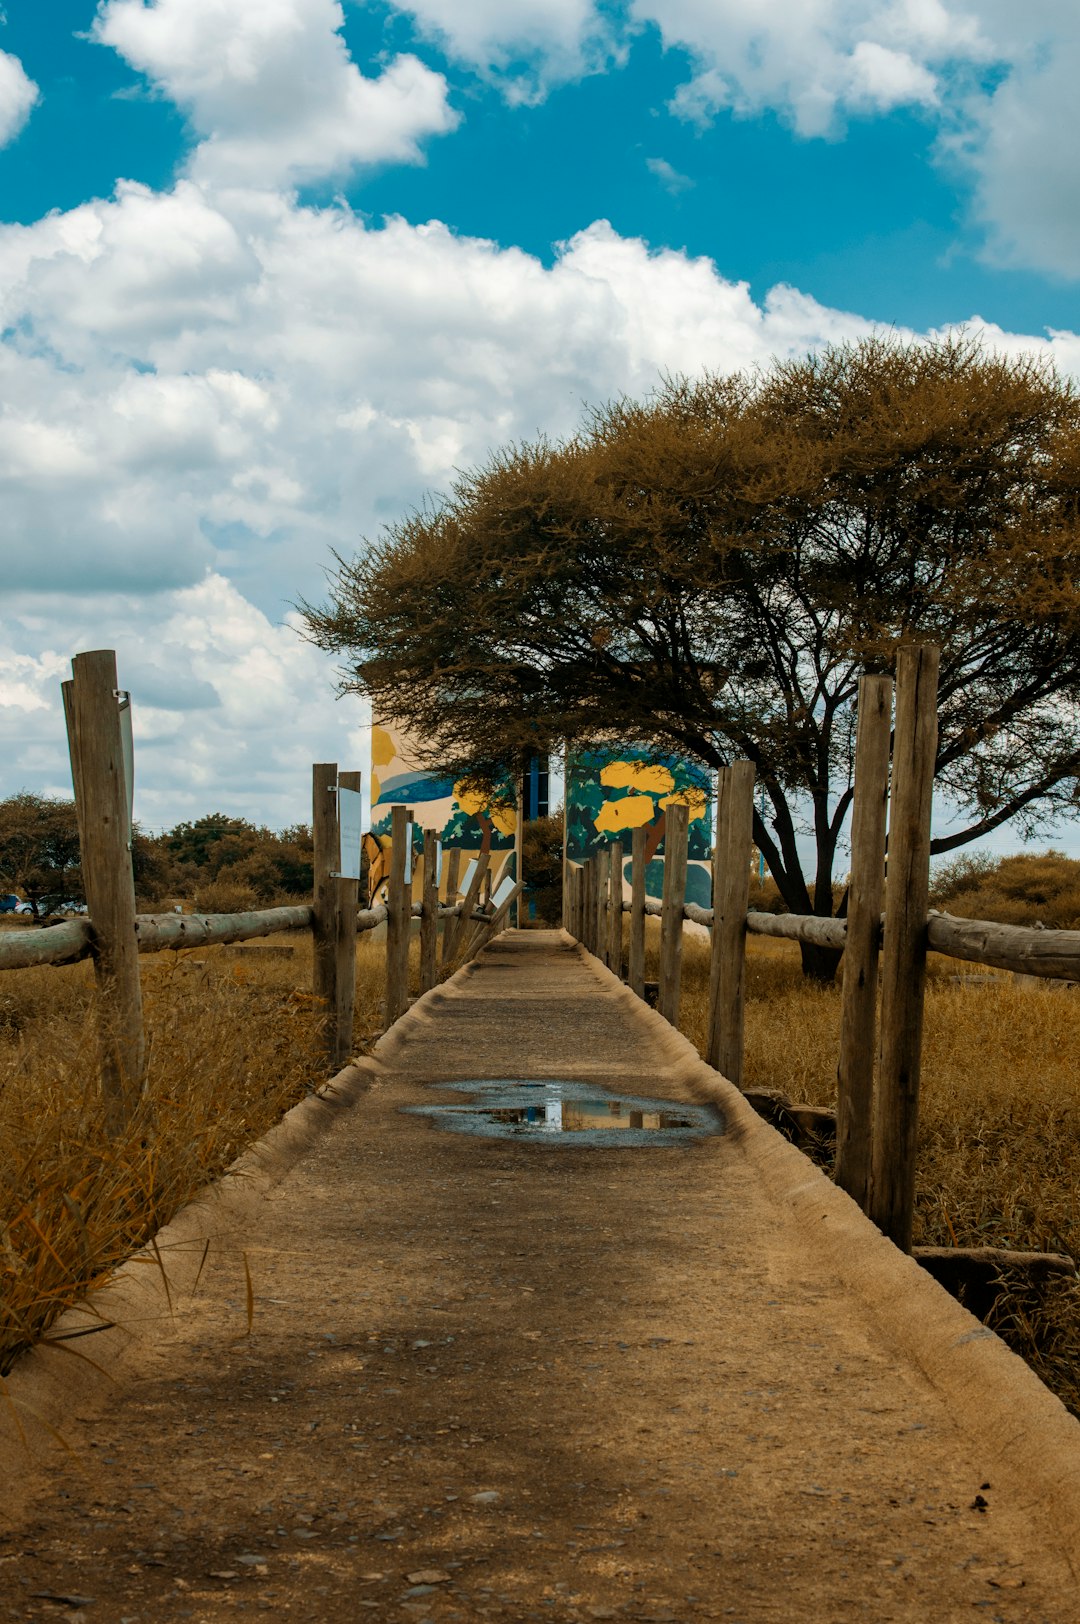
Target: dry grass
<point x="999" y="1141"/>
<point x="232" y="1044"/>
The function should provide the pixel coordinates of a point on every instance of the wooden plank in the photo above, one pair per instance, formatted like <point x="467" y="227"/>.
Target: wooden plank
<point x="903" y="965"/>
<point x="713" y="1042"/>
<point x="326" y="842"/>
<point x="491" y="925"/>
<point x="635" y="971"/>
<point x="671" y="932"/>
<point x="399" y="917"/>
<point x="429" y="915"/>
<point x="1051" y="953"/>
<point x="866" y="885"/>
<point x="98" y="772"/>
<point x="736" y="835"/>
<point x="615" y="909"/>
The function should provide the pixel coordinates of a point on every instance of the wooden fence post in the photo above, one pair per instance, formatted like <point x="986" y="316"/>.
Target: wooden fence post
<point x="398" y="916"/>
<point x="671" y="923"/>
<point x="453" y="874"/>
<point x="577" y="901"/>
<point x="348" y="903"/>
<point x="858" y="1009"/>
<point x="615" y="953"/>
<point x="97" y="770"/>
<point x="603" y="886"/>
<point x="460" y="929"/>
<point x="903" y="968"/>
<point x="588" y="934"/>
<point x="731" y="896"/>
<point x="635" y="973"/>
<point x="327" y="843"/>
<point x="429" y="917"/>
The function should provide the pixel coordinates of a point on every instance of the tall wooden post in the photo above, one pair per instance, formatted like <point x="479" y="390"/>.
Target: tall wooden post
<point x="858" y="1010"/>
<point x="615" y="953"/>
<point x="453" y="874"/>
<point x="903" y="968"/>
<point x="429" y="917"/>
<point x="458" y="931"/>
<point x="588" y="934"/>
<point x="398" y="916"/>
<point x="97" y="770"/>
<point x="603" y="887"/>
<point x="635" y="973"/>
<point x="576" y="879"/>
<point x="348" y="901"/>
<point x="327" y="843"/>
<point x="731" y="896"/>
<point x="676" y="829"/>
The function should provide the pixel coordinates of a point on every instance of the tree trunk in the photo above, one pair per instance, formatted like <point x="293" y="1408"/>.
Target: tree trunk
<point x="820" y="964"/>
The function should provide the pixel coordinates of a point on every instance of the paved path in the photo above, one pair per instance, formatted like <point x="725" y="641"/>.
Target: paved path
<point x="493" y="1380"/>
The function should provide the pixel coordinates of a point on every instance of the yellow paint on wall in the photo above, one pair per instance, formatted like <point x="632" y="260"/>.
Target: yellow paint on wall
<point x="632" y="812"/>
<point x="383" y="747"/>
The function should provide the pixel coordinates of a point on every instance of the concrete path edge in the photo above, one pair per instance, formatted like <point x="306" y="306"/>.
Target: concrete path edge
<point x="89" y="1348"/>
<point x="1033" y="1442"/>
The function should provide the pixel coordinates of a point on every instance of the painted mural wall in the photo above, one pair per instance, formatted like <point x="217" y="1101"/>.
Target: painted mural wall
<point x="466" y="822"/>
<point x="613" y="790"/>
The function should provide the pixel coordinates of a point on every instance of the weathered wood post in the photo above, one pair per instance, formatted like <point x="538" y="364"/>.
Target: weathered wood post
<point x="603" y="886"/>
<point x="731" y="896"/>
<point x="615" y="952"/>
<point x="858" y="1009"/>
<point x="429" y="916"/>
<point x="398" y="916"/>
<point x="348" y="903"/>
<point x="453" y="875"/>
<point x="903" y="967"/>
<point x="577" y="896"/>
<point x="676" y="831"/>
<point x="635" y="969"/>
<point x="588" y="933"/>
<point x="334" y="927"/>
<point x="461" y="928"/>
<point x="91" y="707"/>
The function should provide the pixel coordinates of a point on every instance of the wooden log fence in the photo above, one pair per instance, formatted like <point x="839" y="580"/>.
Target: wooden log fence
<point x="878" y="1082"/>
<point x="113" y="936"/>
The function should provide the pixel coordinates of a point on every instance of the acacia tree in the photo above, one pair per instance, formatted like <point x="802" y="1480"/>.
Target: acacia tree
<point x="39" y="851"/>
<point x="713" y="569"/>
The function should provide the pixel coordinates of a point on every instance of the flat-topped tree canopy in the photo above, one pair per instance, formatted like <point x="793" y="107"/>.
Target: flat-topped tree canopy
<point x="710" y="570"/>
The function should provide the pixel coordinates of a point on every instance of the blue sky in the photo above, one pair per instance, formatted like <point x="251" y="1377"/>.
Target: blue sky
<point x="271" y="270"/>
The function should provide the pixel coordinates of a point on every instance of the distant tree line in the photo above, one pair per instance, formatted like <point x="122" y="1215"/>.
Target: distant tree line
<point x="217" y="863"/>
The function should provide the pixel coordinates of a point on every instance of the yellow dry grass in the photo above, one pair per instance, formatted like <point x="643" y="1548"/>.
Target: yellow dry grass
<point x="232" y="1044"/>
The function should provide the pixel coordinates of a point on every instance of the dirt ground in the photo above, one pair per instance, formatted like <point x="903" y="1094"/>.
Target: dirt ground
<point x="488" y="1379"/>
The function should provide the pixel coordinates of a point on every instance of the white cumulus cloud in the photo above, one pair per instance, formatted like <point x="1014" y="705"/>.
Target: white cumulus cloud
<point x="271" y="90"/>
<point x="18" y="97"/>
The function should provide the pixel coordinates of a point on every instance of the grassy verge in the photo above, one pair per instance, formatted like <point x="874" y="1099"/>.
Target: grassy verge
<point x="999" y="1140"/>
<point x="232" y="1044"/>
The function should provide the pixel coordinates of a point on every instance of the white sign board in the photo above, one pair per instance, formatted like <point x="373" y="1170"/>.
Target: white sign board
<point x="351" y="825"/>
<point x="504" y="889"/>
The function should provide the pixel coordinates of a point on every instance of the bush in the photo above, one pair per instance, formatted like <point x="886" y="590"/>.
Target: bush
<point x="1023" y="889"/>
<point x="226" y="896"/>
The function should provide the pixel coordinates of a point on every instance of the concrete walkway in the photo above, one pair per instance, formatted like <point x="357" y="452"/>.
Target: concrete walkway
<point x="490" y="1379"/>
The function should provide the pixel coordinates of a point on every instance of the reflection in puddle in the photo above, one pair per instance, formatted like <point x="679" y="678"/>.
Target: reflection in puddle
<point x="544" y="1110"/>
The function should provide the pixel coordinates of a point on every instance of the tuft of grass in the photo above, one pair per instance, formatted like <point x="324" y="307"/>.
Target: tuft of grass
<point x="232" y="1044"/>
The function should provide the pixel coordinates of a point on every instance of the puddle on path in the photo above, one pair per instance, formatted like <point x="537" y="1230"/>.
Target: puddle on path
<point x="547" y="1111"/>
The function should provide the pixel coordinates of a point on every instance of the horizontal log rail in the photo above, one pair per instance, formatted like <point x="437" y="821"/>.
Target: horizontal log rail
<point x="1053" y="954"/>
<point x="73" y="940"/>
